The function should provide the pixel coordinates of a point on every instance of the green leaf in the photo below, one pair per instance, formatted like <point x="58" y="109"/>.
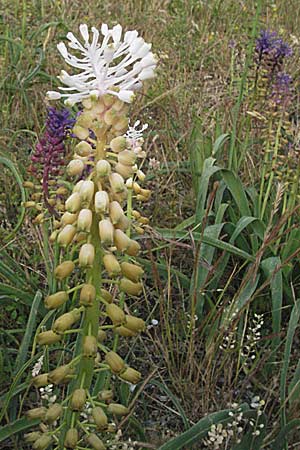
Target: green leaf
<point x="16" y="427"/>
<point x="219" y="144"/>
<point x="280" y="441"/>
<point x="12" y="292"/>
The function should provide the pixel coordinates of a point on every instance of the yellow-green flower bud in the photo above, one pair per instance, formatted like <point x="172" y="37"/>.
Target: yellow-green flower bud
<point x="66" y="235"/>
<point x="71" y="438"/>
<point x="117" y="409"/>
<point x="106" y="296"/>
<point x="87" y="255"/>
<point x="87" y="191"/>
<point x="127" y="157"/>
<point x="29" y="204"/>
<point x="118" y="144"/>
<point x="100" y="418"/>
<point x="73" y="203"/>
<point x="133" y="248"/>
<point x="121" y="125"/>
<point x="32" y="437"/>
<point x="111" y="264"/>
<point x="61" y="191"/>
<point x="101" y="202"/>
<point x="36" y="413"/>
<point x="146" y="193"/>
<point x="117" y="182"/>
<point x="77" y="186"/>
<point x="53" y="236"/>
<point x="116" y="314"/>
<point x="111" y="117"/>
<point x="140" y="174"/>
<point x="115" y="362"/>
<point x="48" y="338"/>
<point x="53" y="413"/>
<point x="144" y="220"/>
<point x="125" y="332"/>
<point x="80" y="132"/>
<point x="80" y="237"/>
<point x="87" y="295"/>
<point x="78" y="399"/>
<point x="39" y="218"/>
<point x="68" y="218"/>
<point x="85" y="219"/>
<point x="132" y="271"/>
<point x="56" y="300"/>
<point x="66" y="321"/>
<point x="101" y="335"/>
<point x="121" y="240"/>
<point x="64" y="270"/>
<point x="84" y="149"/>
<point x="57" y="375"/>
<point x="75" y="167"/>
<point x="125" y="171"/>
<point x="123" y="223"/>
<point x="129" y="287"/>
<point x="40" y="380"/>
<point x="116" y="212"/>
<point x="106" y="395"/>
<point x="28" y="184"/>
<point x="43" y="442"/>
<point x="89" y="348"/>
<point x="103" y="168"/>
<point x="134" y="323"/>
<point x="131" y="375"/>
<point x="95" y="442"/>
<point x="106" y="232"/>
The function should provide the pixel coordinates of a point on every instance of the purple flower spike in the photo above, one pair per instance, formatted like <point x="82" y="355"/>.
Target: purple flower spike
<point x="270" y="44"/>
<point x="282" y="89"/>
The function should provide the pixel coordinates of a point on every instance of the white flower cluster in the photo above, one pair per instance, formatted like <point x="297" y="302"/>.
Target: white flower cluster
<point x="135" y="140"/>
<point x="253" y="336"/>
<point x="112" y="66"/>
<point x="47" y="394"/>
<point x="38" y="366"/>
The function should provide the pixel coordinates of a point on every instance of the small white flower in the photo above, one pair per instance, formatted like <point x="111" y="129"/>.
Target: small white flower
<point x="38" y="366"/>
<point x="154" y="322"/>
<point x="109" y="66"/>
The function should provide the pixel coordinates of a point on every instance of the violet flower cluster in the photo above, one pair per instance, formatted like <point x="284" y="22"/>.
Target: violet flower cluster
<point x="270" y="44"/>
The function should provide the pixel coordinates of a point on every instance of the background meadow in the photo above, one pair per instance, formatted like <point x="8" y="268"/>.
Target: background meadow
<point x="220" y="355"/>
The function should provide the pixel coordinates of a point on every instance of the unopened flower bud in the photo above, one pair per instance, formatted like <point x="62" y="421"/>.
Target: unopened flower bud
<point x="145" y="193"/>
<point x="57" y="375"/>
<point x="131" y="375"/>
<point x="87" y="295"/>
<point x="129" y="183"/>
<point x="116" y="212"/>
<point x="106" y="232"/>
<point x="56" y="300"/>
<point x="36" y="413"/>
<point x="61" y="191"/>
<point x="53" y="413"/>
<point x="118" y="144"/>
<point x="77" y="186"/>
<point x="86" y="255"/>
<point x="68" y="218"/>
<point x="53" y="236"/>
<point x="95" y="442"/>
<point x="132" y="271"/>
<point x="106" y="395"/>
<point x="66" y="321"/>
<point x="43" y="442"/>
<point x="124" y="332"/>
<point x="48" y="338"/>
<point x="134" y="323"/>
<point x="121" y="125"/>
<point x="129" y="287"/>
<point x="40" y="380"/>
<point x="66" y="235"/>
<point x="99" y="417"/>
<point x="144" y="220"/>
<point x="110" y="117"/>
<point x="117" y="182"/>
<point x="39" y="218"/>
<point x="78" y="399"/>
<point x="87" y="191"/>
<point x="133" y="248"/>
<point x="80" y="132"/>
<point x="101" y="202"/>
<point x="116" y="314"/>
<point x="80" y="237"/>
<point x="32" y="437"/>
<point x="101" y="335"/>
<point x="89" y="348"/>
<point x="123" y="223"/>
<point x="84" y="149"/>
<point x="127" y="157"/>
<point x="29" y="204"/>
<point x="115" y="362"/>
<point x="28" y="184"/>
<point x="106" y="296"/>
<point x="73" y="202"/>
<point x="103" y="168"/>
<point x="111" y="264"/>
<point x="124" y="171"/>
<point x="136" y="187"/>
<point x="71" y="439"/>
<point x="84" y="221"/>
<point x="140" y="174"/>
<point x="117" y="409"/>
<point x="75" y="167"/>
<point x="139" y="230"/>
<point x="136" y="214"/>
<point x="64" y="270"/>
<point x="121" y="240"/>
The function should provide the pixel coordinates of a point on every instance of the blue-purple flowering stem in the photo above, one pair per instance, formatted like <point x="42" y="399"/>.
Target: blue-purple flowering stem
<point x="269" y="43"/>
<point x="282" y="89"/>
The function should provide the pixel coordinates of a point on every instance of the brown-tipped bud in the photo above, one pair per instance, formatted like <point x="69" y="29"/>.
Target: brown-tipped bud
<point x="132" y="271"/>
<point x="121" y="240"/>
<point x="116" y="212"/>
<point x="87" y="255"/>
<point x="106" y="232"/>
<point x="56" y="300"/>
<point x="68" y="218"/>
<point x="118" y="144"/>
<point x="84" y="149"/>
<point x="129" y="287"/>
<point x="48" y="338"/>
<point x="105" y="295"/>
<point x="87" y="295"/>
<point x="78" y="399"/>
<point x="87" y="191"/>
<point x="117" y="182"/>
<point x="73" y="203"/>
<point x="66" y="321"/>
<point x="106" y="395"/>
<point x="116" y="314"/>
<point x="40" y="380"/>
<point x="43" y="442"/>
<point x="103" y="168"/>
<point x="75" y="167"/>
<point x="131" y="375"/>
<point x="64" y="270"/>
<point x="80" y="132"/>
<point x="100" y="418"/>
<point x="115" y="362"/>
<point x="134" y="323"/>
<point x="124" y="332"/>
<point x="133" y="248"/>
<point x="95" y="442"/>
<point x="89" y="348"/>
<point x="125" y="171"/>
<point x="117" y="409"/>
<point x="111" y="265"/>
<point x="36" y="413"/>
<point x="127" y="157"/>
<point x="85" y="219"/>
<point x="32" y="437"/>
<point x="71" y="439"/>
<point x="65" y="237"/>
<point x="53" y="413"/>
<point x="101" y="202"/>
<point x="101" y="335"/>
<point x="57" y="375"/>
